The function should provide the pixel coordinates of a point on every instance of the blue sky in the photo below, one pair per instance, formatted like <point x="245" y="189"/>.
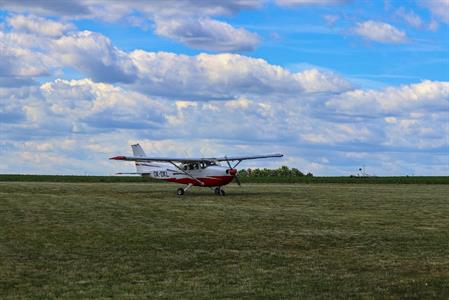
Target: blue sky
<point x="332" y="84"/>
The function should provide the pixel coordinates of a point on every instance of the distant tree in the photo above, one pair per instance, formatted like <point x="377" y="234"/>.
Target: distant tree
<point x="274" y="172"/>
<point x="283" y="171"/>
<point x="243" y="173"/>
<point x="256" y="172"/>
<point x="296" y="172"/>
<point x="309" y="174"/>
<point x="265" y="172"/>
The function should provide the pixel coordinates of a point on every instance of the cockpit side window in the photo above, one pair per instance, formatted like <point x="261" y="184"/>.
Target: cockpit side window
<point x="206" y="164"/>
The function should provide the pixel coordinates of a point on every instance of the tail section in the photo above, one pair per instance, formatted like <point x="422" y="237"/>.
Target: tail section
<point x="138" y="152"/>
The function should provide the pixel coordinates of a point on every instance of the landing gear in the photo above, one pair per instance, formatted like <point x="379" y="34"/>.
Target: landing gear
<point x="181" y="191"/>
<point x="219" y="192"/>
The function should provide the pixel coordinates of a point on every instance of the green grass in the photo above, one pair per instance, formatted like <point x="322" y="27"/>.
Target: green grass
<point x="73" y="178"/>
<point x="265" y="241"/>
<point x="263" y="179"/>
<point x="351" y="180"/>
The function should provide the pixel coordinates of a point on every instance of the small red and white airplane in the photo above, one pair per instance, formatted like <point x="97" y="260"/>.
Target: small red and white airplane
<point x="203" y="172"/>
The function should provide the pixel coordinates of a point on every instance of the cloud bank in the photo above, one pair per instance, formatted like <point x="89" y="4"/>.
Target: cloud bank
<point x="207" y="103"/>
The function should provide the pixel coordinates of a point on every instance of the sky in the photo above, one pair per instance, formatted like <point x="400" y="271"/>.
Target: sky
<point x="334" y="85"/>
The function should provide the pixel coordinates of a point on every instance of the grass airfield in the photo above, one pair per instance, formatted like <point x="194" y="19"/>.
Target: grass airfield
<point x="270" y="241"/>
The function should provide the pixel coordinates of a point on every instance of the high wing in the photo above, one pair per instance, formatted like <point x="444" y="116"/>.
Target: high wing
<point x="232" y="158"/>
<point x="191" y="160"/>
<point x="161" y="159"/>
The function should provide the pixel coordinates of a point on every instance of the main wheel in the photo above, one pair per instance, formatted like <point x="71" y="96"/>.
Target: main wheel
<point x="217" y="191"/>
<point x="180" y="191"/>
<point x="222" y="192"/>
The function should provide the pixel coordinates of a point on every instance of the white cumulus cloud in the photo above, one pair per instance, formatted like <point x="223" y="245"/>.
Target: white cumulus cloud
<point x="439" y="8"/>
<point x="38" y="26"/>
<point x="310" y="2"/>
<point x="19" y="65"/>
<point x="84" y="122"/>
<point x="430" y="96"/>
<point x="206" y="33"/>
<point x="187" y="22"/>
<point x="380" y="32"/>
<point x="94" y="55"/>
<point x="225" y="76"/>
<point x="410" y="17"/>
<point x="199" y="77"/>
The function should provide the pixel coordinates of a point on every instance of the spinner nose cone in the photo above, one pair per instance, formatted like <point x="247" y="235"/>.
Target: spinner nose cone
<point x="232" y="172"/>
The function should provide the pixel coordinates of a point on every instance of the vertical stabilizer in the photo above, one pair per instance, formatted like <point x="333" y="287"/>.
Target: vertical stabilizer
<point x="138" y="152"/>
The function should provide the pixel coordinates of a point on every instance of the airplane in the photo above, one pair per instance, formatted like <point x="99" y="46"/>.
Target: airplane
<point x="202" y="172"/>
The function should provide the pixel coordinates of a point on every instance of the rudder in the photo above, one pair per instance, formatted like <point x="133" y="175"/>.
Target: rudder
<point x="138" y="152"/>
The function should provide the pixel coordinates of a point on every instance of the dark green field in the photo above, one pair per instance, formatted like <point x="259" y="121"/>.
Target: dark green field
<point x="252" y="179"/>
<point x="266" y="241"/>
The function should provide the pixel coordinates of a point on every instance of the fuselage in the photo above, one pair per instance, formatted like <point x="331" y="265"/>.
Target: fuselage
<point x="206" y="175"/>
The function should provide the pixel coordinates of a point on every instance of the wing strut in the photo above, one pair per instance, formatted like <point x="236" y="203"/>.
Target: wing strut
<point x="187" y="173"/>
<point x="237" y="164"/>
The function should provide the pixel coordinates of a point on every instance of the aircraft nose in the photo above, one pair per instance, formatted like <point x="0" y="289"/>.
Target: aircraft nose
<point x="231" y="171"/>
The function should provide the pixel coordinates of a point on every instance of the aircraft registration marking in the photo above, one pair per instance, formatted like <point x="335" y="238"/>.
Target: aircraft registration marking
<point x="160" y="174"/>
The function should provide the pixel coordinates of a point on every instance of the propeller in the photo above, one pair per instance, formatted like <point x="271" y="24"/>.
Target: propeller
<point x="237" y="180"/>
<point x="234" y="173"/>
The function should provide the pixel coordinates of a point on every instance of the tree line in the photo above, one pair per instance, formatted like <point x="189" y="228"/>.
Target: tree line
<point x="283" y="171"/>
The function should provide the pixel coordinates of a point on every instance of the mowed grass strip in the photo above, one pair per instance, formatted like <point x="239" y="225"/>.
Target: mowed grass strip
<point x="243" y="179"/>
<point x="270" y="241"/>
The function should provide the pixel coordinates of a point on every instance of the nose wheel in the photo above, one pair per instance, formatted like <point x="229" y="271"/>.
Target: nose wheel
<point x="219" y="192"/>
<point x="181" y="191"/>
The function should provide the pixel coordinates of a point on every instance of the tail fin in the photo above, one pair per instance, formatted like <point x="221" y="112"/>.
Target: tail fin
<point x="138" y="151"/>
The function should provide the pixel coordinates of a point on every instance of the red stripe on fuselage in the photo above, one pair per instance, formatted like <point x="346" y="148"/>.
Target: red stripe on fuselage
<point x="208" y="181"/>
